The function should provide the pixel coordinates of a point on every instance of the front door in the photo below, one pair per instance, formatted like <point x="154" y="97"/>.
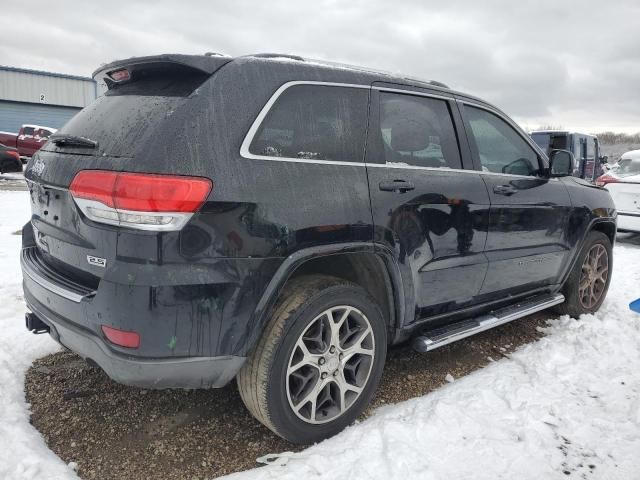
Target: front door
<point x="428" y="212"/>
<point x="527" y="240"/>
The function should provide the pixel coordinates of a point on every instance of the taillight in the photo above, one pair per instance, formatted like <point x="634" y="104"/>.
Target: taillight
<point x="14" y="154"/>
<point x="603" y="180"/>
<point x="122" y="338"/>
<point x="139" y="200"/>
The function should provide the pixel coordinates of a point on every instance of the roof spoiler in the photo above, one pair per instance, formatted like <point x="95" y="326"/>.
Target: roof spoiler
<point x="206" y="64"/>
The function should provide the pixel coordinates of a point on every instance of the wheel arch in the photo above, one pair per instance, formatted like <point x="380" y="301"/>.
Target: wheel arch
<point x="359" y="263"/>
<point x="606" y="225"/>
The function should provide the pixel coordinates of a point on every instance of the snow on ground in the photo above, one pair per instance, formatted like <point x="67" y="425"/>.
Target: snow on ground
<point x="23" y="453"/>
<point x="567" y="406"/>
<point x="567" y="403"/>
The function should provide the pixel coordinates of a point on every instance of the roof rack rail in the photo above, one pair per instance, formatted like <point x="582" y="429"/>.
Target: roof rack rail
<point x="434" y="83"/>
<point x="277" y="55"/>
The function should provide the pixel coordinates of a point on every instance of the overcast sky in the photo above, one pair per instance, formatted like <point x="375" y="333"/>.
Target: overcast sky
<point x="574" y="64"/>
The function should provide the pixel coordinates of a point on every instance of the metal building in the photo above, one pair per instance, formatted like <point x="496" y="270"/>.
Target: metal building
<point x="41" y="98"/>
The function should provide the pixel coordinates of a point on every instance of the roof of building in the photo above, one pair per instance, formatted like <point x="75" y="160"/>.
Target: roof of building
<point x="44" y="73"/>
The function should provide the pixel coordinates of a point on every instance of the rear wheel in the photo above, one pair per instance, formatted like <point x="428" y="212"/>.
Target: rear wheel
<point x="587" y="285"/>
<point x="319" y="361"/>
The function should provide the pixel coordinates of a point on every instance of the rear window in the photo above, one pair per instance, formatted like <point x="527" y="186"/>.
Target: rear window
<point x="121" y="124"/>
<point x="314" y="122"/>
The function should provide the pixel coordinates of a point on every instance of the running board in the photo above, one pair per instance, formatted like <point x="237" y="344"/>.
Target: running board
<point x="432" y="339"/>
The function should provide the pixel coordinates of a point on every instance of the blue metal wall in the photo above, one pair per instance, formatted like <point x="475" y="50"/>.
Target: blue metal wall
<point x="14" y="114"/>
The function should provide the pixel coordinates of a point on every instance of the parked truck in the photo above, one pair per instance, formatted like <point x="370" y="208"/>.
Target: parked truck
<point x="28" y="140"/>
<point x="585" y="149"/>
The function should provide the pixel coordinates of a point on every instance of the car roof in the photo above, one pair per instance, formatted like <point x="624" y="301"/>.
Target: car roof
<point x="631" y="155"/>
<point x="567" y="132"/>
<point x="211" y="62"/>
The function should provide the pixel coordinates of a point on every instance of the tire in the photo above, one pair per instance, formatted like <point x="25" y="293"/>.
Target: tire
<point x="274" y="393"/>
<point x="574" y="304"/>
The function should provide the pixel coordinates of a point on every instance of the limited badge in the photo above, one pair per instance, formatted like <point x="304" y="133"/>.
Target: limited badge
<point x="97" y="261"/>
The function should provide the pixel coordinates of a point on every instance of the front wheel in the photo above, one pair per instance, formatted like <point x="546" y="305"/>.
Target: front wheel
<point x="588" y="282"/>
<point x="319" y="361"/>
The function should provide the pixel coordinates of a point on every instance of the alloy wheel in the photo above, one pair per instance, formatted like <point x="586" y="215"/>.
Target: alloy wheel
<point x="594" y="275"/>
<point x="330" y="364"/>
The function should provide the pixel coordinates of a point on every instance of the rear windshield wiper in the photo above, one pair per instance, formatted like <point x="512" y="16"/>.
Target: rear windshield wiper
<point x="73" y="141"/>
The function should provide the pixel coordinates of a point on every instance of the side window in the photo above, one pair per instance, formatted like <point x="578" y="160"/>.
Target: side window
<point x="500" y="148"/>
<point x="418" y="131"/>
<point x="315" y="122"/>
<point x="28" y="131"/>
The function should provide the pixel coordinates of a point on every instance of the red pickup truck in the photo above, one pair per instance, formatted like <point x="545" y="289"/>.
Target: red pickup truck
<point x="28" y="140"/>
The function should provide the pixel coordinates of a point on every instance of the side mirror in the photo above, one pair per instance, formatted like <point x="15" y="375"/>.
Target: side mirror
<point x="561" y="163"/>
<point x="604" y="159"/>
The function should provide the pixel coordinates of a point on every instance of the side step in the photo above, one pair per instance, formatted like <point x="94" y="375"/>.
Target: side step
<point x="439" y="337"/>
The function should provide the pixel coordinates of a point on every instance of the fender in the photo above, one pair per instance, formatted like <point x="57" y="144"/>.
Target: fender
<point x="294" y="261"/>
<point x="594" y="221"/>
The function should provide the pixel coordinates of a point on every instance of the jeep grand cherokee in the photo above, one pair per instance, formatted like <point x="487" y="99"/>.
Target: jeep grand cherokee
<point x="283" y="222"/>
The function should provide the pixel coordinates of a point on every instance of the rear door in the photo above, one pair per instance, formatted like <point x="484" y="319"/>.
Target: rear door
<point x="429" y="213"/>
<point x="527" y="238"/>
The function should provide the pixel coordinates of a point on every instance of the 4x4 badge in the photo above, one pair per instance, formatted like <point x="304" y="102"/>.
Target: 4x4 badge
<point x="97" y="261"/>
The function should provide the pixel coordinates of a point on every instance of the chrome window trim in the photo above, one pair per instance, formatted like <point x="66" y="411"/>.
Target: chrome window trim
<point x="246" y="143"/>
<point x="457" y="170"/>
<point x="418" y="167"/>
<point x="244" y="148"/>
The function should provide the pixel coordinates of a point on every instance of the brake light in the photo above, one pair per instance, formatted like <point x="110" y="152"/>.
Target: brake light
<point x="119" y="75"/>
<point x="603" y="180"/>
<point x="139" y="200"/>
<point x="122" y="338"/>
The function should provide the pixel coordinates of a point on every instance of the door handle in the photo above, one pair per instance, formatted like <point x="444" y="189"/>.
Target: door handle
<point x="504" y="190"/>
<point x="401" y="186"/>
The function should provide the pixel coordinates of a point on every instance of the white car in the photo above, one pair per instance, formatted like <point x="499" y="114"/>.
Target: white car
<point x="623" y="182"/>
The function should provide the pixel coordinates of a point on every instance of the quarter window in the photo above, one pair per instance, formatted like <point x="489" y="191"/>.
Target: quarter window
<point x="315" y="122"/>
<point x="500" y="148"/>
<point x="417" y="131"/>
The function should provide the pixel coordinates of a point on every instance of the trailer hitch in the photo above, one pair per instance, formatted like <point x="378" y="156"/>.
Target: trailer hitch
<point x="35" y="325"/>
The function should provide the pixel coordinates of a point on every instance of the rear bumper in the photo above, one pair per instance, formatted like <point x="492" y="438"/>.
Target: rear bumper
<point x="156" y="373"/>
<point x="191" y="336"/>
<point x="628" y="222"/>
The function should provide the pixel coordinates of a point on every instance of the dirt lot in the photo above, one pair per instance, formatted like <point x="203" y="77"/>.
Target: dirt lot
<point x="112" y="431"/>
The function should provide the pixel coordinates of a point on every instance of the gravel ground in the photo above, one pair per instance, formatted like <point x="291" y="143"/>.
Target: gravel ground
<point x="117" y="432"/>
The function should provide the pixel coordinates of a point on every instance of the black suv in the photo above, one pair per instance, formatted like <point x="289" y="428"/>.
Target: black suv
<point x="284" y="221"/>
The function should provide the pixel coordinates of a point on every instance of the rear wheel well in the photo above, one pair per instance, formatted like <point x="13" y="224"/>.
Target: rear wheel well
<point x="608" y="228"/>
<point x="364" y="269"/>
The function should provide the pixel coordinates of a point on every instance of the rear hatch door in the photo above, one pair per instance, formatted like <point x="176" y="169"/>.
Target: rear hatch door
<point x="109" y="134"/>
